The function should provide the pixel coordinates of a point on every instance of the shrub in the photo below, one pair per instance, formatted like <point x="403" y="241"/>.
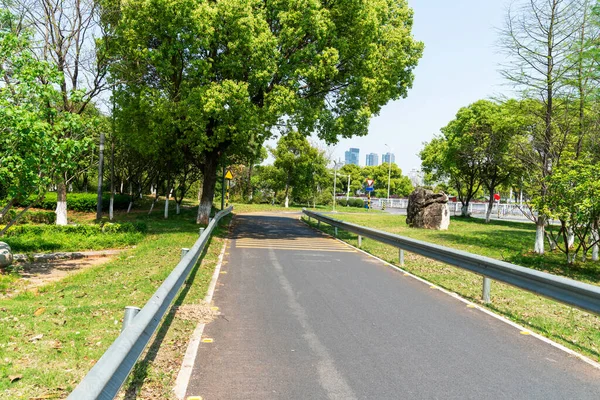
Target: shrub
<point x="85" y="202"/>
<point x="36" y="217"/>
<point x="87" y="230"/>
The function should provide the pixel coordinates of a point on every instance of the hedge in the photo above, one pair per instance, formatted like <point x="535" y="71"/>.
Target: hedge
<point x="85" y="202"/>
<point x="359" y="203"/>
<point x="82" y="229"/>
<point x="36" y="217"/>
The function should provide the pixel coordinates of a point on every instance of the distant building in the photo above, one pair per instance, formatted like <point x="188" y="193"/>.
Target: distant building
<point x="372" y="160"/>
<point x="385" y="158"/>
<point x="351" y="156"/>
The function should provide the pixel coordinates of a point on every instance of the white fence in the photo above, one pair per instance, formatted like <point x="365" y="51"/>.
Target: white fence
<point x="499" y="210"/>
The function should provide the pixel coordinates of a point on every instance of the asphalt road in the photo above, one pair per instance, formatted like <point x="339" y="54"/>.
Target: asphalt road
<point x="306" y="317"/>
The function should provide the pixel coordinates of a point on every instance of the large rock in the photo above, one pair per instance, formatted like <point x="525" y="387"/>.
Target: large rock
<point x="428" y="210"/>
<point x="6" y="257"/>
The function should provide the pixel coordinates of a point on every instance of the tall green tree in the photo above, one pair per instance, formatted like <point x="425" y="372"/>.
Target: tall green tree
<point x="226" y="72"/>
<point x="301" y="164"/>
<point x="32" y="146"/>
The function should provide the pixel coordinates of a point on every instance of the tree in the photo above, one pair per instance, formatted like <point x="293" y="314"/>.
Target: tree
<point x="453" y="157"/>
<point x="540" y="39"/>
<point x="32" y="148"/>
<point x="301" y="164"/>
<point x="64" y="35"/>
<point x="230" y="71"/>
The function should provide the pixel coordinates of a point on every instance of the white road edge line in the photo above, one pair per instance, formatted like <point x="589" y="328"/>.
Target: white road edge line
<point x="187" y="365"/>
<point x="474" y="305"/>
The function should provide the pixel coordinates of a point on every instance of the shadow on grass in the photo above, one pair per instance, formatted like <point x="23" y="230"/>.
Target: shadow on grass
<point x="140" y="371"/>
<point x="495" y="222"/>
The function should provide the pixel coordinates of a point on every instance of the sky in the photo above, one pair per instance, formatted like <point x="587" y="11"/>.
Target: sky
<point x="459" y="66"/>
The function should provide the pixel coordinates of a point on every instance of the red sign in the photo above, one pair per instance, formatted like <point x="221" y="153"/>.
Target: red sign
<point x="497" y="196"/>
<point x="370" y="182"/>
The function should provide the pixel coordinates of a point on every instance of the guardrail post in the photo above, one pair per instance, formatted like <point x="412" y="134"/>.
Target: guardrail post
<point x="130" y="313"/>
<point x="201" y="231"/>
<point x="184" y="251"/>
<point x="401" y="257"/>
<point x="335" y="230"/>
<point x="359" y="241"/>
<point x="487" y="287"/>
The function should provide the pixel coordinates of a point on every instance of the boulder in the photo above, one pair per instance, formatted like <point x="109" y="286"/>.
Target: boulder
<point x="6" y="257"/>
<point x="428" y="210"/>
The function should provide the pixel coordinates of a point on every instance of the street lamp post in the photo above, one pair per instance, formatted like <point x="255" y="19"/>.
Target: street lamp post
<point x="348" y="191"/>
<point x="335" y="164"/>
<point x="389" y="170"/>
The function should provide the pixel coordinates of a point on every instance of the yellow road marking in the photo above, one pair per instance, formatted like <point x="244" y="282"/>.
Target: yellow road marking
<point x="223" y="272"/>
<point x="525" y="333"/>
<point x="471" y="306"/>
<point x="207" y="340"/>
<point x="215" y="308"/>
<point x="194" y="398"/>
<point x="296" y="249"/>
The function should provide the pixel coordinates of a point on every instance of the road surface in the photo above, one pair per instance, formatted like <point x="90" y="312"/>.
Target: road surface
<point x="307" y="317"/>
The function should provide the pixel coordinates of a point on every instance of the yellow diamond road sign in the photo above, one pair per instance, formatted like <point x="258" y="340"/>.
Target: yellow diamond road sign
<point x="229" y="175"/>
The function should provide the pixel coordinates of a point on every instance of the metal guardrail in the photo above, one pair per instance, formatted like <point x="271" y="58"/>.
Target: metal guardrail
<point x="578" y="294"/>
<point x="110" y="372"/>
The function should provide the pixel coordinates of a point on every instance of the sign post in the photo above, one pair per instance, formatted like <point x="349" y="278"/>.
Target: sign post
<point x="369" y="189"/>
<point x="228" y="177"/>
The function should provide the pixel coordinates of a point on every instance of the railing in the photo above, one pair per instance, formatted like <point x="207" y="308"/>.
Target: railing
<point x="110" y="372"/>
<point x="499" y="210"/>
<point x="578" y="294"/>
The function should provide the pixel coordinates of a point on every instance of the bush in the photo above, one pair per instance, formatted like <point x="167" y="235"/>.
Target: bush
<point x="85" y="202"/>
<point x="359" y="203"/>
<point x="36" y="217"/>
<point x="88" y="230"/>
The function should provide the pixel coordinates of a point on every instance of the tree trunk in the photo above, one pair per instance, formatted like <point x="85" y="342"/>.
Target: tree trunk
<point x="61" y="204"/>
<point x="177" y="208"/>
<point x="7" y="207"/>
<point x="570" y="237"/>
<point x="209" y="171"/>
<point x="488" y="213"/>
<point x="168" y="194"/>
<point x="15" y="219"/>
<point x="595" y="238"/>
<point x="464" y="210"/>
<point x="540" y="227"/>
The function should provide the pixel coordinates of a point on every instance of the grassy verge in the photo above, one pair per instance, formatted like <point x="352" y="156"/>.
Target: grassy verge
<point x="52" y="336"/>
<point x="509" y="241"/>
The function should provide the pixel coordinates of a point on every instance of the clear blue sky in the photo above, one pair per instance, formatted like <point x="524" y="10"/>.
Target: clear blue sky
<point x="459" y="66"/>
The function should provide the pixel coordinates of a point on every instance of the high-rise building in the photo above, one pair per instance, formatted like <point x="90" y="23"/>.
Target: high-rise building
<point x="351" y="156"/>
<point x="372" y="160"/>
<point x="385" y="158"/>
<point x="417" y="177"/>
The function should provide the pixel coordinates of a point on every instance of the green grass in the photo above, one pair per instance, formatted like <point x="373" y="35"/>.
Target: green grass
<point x="50" y="242"/>
<point x="509" y="241"/>
<point x="80" y="316"/>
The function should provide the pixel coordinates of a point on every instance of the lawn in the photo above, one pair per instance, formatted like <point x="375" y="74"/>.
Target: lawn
<point x="509" y="241"/>
<point x="51" y="336"/>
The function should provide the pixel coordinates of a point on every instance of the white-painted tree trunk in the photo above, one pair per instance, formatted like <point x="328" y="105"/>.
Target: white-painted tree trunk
<point x="129" y="207"/>
<point x="167" y="203"/>
<point x="570" y="237"/>
<point x="539" y="235"/>
<point x="203" y="209"/>
<point x="61" y="204"/>
<point x="287" y="201"/>
<point x="177" y="208"/>
<point x="464" y="210"/>
<point x="111" y="206"/>
<point x="595" y="247"/>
